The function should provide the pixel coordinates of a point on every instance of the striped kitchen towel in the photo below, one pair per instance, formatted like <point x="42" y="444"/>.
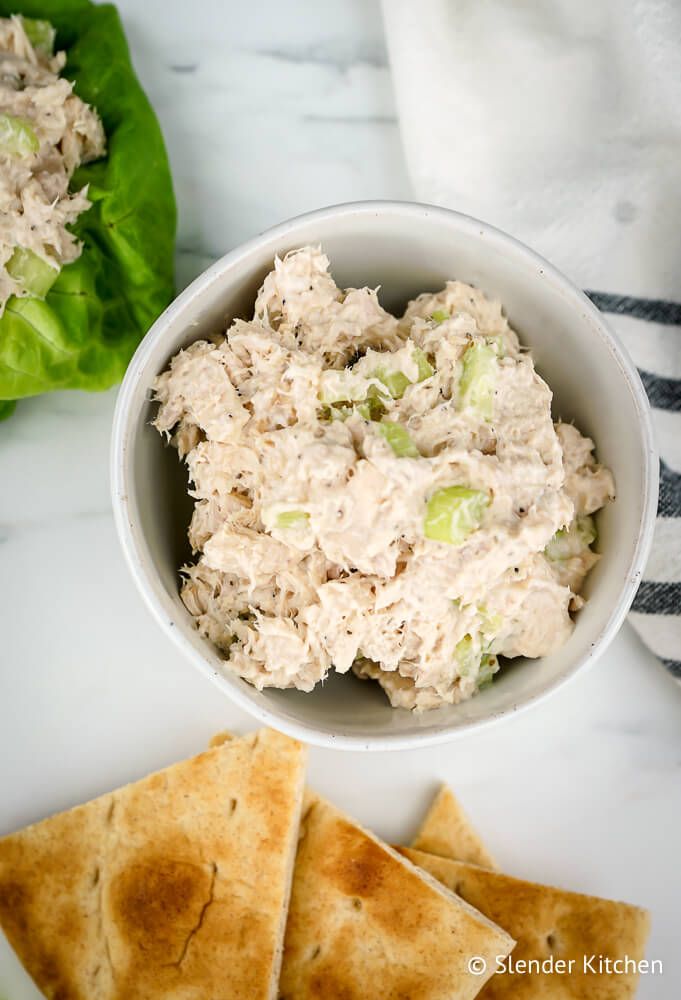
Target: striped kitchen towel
<point x="651" y="331"/>
<point x="558" y="121"/>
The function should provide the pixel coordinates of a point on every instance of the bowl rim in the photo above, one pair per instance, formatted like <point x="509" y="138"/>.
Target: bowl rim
<point x="120" y="488"/>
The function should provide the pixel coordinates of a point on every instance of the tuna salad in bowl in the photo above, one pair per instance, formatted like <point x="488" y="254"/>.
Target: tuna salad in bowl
<point x="376" y="482"/>
<point x="382" y="495"/>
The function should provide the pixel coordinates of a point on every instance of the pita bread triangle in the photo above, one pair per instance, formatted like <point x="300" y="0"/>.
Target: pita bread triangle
<point x="447" y="831"/>
<point x="176" y="885"/>
<point x="550" y="925"/>
<point x="362" y="923"/>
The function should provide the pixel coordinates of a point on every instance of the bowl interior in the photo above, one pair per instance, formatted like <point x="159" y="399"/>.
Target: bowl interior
<point x="405" y="250"/>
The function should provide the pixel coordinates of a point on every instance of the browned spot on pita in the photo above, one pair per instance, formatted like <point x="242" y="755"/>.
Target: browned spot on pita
<point x="157" y="902"/>
<point x="356" y="866"/>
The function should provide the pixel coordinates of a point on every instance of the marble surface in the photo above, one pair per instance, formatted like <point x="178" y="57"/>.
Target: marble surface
<point x="270" y="110"/>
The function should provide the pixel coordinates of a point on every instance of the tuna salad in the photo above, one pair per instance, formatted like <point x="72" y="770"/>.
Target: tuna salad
<point x="46" y="132"/>
<point x="378" y="495"/>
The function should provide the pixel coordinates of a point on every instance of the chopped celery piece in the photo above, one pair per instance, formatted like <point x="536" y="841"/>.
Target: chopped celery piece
<point x="478" y="379"/>
<point x="498" y="344"/>
<point x="586" y="529"/>
<point x="395" y="382"/>
<point x="469" y="662"/>
<point x="572" y="541"/>
<point x="453" y="513"/>
<point x="373" y="407"/>
<point x="41" y="34"/>
<point x="292" y="519"/>
<point x="17" y="136"/>
<point x="370" y="408"/>
<point x="440" y="315"/>
<point x="32" y="272"/>
<point x="490" y="622"/>
<point x="375" y="400"/>
<point x="465" y="656"/>
<point x="344" y="392"/>
<point x="339" y="411"/>
<point x="424" y="366"/>
<point x="489" y="665"/>
<point x="398" y="438"/>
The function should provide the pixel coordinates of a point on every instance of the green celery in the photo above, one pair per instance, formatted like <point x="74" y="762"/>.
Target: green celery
<point x="489" y="665"/>
<point x="572" y="541"/>
<point x="424" y="366"/>
<point x="40" y="33"/>
<point x="292" y="519"/>
<point x="31" y="271"/>
<point x="17" y="136"/>
<point x="398" y="438"/>
<point x="453" y="513"/>
<point x="478" y="379"/>
<point x="395" y="382"/>
<point x="465" y="657"/>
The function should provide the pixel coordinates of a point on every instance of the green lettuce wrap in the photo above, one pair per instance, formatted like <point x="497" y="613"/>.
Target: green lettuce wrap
<point x="84" y="333"/>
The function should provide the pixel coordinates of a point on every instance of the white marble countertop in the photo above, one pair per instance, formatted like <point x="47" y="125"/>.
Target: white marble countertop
<point x="270" y="110"/>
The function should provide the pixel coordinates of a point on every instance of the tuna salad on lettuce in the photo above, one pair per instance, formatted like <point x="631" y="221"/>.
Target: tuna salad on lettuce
<point x="387" y="496"/>
<point x="87" y="213"/>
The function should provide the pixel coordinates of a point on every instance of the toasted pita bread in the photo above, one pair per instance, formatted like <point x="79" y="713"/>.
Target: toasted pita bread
<point x="549" y="924"/>
<point x="447" y="831"/>
<point x="363" y="923"/>
<point x="175" y="886"/>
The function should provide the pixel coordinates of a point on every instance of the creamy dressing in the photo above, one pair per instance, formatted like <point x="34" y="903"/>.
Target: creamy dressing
<point x="385" y="496"/>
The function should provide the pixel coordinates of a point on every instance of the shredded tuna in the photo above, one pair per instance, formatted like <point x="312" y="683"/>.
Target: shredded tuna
<point x="36" y="205"/>
<point x="316" y="436"/>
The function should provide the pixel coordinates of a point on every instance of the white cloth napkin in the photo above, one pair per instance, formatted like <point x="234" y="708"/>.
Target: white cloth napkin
<point x="560" y="122"/>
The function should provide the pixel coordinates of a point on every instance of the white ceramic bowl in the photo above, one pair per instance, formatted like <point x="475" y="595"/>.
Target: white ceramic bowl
<point x="406" y="249"/>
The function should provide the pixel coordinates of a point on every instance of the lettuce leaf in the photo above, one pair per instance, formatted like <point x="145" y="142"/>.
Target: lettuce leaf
<point x="84" y="333"/>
